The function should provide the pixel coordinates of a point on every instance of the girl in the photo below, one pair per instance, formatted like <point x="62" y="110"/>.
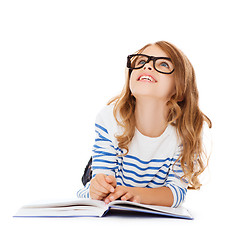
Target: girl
<point x="148" y="145"/>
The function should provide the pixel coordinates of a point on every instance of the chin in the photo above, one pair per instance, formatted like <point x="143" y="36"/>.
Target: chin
<point x="147" y="96"/>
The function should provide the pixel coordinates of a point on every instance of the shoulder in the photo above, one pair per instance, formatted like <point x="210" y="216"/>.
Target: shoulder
<point x="105" y="114"/>
<point x="105" y="119"/>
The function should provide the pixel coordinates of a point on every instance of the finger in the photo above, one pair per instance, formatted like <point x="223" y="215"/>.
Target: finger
<point x="106" y="199"/>
<point x="94" y="190"/>
<point x="95" y="196"/>
<point x="98" y="186"/>
<point x="102" y="181"/>
<point x="126" y="196"/>
<point x="135" y="199"/>
<point x="112" y="180"/>
<point x="117" y="194"/>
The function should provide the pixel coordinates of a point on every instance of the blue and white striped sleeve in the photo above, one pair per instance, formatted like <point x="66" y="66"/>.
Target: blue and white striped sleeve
<point x="177" y="185"/>
<point x="84" y="192"/>
<point x="104" y="153"/>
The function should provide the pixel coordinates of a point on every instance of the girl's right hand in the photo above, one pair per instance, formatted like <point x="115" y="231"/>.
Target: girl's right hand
<point x="101" y="186"/>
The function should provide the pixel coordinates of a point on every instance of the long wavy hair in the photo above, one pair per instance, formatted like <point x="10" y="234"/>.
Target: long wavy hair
<point x="183" y="113"/>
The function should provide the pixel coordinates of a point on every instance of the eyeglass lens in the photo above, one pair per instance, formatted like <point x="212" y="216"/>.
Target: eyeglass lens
<point x="162" y="65"/>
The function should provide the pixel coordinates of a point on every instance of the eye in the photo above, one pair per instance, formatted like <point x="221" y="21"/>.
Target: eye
<point x="142" y="62"/>
<point x="164" y="64"/>
<point x="138" y="61"/>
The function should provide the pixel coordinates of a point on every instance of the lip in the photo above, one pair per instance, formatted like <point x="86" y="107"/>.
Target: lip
<point x="148" y="75"/>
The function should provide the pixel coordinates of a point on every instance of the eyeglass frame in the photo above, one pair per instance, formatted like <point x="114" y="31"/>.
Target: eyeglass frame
<point x="154" y="59"/>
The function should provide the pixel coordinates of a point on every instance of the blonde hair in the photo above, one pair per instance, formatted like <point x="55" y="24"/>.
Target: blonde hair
<point x="184" y="114"/>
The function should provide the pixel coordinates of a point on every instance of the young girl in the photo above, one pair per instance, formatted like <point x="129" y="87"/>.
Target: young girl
<point x="148" y="145"/>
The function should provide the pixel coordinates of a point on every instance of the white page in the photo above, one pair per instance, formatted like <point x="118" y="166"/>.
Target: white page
<point x="84" y="202"/>
<point x="181" y="211"/>
<point x="60" y="212"/>
<point x="80" y="207"/>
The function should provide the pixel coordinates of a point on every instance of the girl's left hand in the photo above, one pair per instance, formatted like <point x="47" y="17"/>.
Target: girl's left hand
<point x="126" y="194"/>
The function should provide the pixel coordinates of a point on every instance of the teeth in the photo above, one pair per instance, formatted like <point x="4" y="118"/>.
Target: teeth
<point x="147" y="77"/>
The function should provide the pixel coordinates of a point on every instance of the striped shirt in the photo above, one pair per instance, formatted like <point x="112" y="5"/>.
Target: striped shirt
<point x="149" y="163"/>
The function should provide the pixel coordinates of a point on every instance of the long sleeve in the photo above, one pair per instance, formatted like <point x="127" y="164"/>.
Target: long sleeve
<point x="103" y="152"/>
<point x="84" y="192"/>
<point x="178" y="186"/>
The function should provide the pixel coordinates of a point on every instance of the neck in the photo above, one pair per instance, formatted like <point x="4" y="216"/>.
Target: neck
<point x="151" y="117"/>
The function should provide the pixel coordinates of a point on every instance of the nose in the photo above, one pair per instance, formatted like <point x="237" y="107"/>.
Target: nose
<point x="148" y="65"/>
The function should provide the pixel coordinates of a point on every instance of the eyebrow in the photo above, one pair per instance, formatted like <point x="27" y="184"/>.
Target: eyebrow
<point x="167" y="58"/>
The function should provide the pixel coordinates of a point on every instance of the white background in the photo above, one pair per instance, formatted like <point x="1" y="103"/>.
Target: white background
<point x="61" y="61"/>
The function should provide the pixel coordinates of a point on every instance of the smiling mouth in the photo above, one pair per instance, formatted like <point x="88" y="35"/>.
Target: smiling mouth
<point x="146" y="78"/>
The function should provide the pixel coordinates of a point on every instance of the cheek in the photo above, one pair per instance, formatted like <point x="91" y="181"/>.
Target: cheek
<point x="132" y="80"/>
<point x="165" y="87"/>
<point x="170" y="87"/>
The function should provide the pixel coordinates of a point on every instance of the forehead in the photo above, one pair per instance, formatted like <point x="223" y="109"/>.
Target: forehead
<point x="155" y="51"/>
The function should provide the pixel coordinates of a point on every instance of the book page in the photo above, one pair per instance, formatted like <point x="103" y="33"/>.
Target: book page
<point x="76" y="211"/>
<point x="67" y="203"/>
<point x="180" y="211"/>
<point x="81" y="207"/>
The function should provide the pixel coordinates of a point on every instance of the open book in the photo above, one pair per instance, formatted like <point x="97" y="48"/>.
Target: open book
<point x="96" y="208"/>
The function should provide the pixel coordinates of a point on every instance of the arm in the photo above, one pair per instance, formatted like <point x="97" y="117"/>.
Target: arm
<point x="104" y="161"/>
<point x="174" y="182"/>
<point x="154" y="196"/>
<point x="171" y="194"/>
<point x="104" y="153"/>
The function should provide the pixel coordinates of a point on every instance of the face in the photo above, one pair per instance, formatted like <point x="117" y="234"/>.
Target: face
<point x="147" y="82"/>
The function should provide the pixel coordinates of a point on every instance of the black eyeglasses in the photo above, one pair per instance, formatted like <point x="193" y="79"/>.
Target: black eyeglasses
<point x="160" y="64"/>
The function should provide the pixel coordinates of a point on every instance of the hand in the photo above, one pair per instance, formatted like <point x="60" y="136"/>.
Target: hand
<point x="123" y="192"/>
<point x="101" y="185"/>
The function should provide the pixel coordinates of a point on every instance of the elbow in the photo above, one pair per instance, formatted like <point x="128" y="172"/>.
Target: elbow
<point x="178" y="195"/>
